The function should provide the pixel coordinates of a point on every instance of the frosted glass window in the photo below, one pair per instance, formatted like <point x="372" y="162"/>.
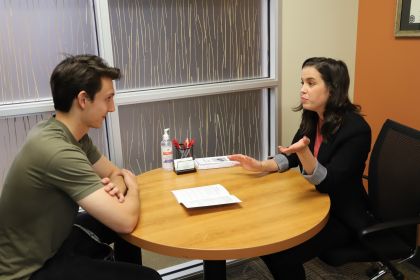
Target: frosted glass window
<point x="34" y="35"/>
<point x="221" y="124"/>
<point x="13" y="132"/>
<point x="162" y="43"/>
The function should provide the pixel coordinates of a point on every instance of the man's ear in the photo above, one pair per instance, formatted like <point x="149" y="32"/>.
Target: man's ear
<point x="82" y="99"/>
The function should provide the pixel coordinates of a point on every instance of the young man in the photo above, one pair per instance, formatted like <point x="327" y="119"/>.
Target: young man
<point x="57" y="170"/>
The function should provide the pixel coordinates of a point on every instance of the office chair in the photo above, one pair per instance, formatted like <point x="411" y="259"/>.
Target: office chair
<point x="394" y="198"/>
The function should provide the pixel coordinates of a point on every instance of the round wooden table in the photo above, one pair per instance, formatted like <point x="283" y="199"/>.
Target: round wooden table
<point x="278" y="211"/>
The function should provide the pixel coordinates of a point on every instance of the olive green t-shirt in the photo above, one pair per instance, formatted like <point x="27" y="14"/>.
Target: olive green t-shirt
<point x="38" y="203"/>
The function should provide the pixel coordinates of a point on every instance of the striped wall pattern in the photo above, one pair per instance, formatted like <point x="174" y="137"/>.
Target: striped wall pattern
<point x="221" y="124"/>
<point x="160" y="43"/>
<point x="34" y="35"/>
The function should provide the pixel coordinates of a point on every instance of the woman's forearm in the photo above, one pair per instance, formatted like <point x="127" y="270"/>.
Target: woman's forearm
<point x="269" y="165"/>
<point x="307" y="159"/>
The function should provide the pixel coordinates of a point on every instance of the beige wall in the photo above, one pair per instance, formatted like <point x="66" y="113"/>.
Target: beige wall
<point x="312" y="28"/>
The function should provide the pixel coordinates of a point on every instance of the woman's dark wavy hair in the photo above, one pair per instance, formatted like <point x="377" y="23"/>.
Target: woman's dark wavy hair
<point x="335" y="75"/>
<point x="77" y="73"/>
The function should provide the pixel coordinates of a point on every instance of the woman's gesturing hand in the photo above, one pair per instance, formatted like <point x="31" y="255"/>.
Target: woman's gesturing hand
<point x="295" y="147"/>
<point x="247" y="162"/>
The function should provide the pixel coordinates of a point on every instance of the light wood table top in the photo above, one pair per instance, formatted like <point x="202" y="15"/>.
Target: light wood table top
<point x="278" y="211"/>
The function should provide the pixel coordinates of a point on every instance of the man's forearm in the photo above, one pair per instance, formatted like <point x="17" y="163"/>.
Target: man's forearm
<point x="133" y="202"/>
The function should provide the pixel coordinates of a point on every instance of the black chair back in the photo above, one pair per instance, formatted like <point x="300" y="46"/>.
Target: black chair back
<point x="394" y="176"/>
<point x="394" y="199"/>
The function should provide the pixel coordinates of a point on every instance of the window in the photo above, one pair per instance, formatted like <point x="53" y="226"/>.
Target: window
<point x="220" y="124"/>
<point x="164" y="43"/>
<point x="34" y="35"/>
<point x="171" y="50"/>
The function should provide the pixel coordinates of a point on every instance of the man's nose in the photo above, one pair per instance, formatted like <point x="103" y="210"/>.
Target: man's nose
<point x="111" y="107"/>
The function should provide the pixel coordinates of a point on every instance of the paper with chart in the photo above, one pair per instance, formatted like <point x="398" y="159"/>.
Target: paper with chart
<point x="204" y="196"/>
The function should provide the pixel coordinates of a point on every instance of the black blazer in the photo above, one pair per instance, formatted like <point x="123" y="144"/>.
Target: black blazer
<point x="344" y="157"/>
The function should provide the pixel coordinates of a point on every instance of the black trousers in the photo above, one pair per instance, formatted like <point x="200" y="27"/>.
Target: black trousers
<point x="288" y="264"/>
<point x="81" y="258"/>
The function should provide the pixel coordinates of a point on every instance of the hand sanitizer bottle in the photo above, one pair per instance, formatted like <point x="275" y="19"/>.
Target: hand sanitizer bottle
<point x="166" y="151"/>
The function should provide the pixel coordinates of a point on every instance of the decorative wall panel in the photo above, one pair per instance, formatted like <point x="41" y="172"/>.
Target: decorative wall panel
<point x="163" y="43"/>
<point x="220" y="124"/>
<point x="34" y="36"/>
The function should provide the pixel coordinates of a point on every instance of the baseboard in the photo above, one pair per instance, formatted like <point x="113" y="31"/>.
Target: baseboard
<point x="186" y="269"/>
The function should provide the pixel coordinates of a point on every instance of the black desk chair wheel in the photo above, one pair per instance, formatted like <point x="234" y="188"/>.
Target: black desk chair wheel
<point x="394" y="197"/>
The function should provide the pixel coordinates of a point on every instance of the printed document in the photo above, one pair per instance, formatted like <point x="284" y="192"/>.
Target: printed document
<point x="204" y="196"/>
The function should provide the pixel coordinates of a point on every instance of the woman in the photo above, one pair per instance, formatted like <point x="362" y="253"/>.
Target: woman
<point x="330" y="147"/>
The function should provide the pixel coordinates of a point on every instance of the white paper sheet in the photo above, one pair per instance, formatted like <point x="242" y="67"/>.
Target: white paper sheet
<point x="204" y="196"/>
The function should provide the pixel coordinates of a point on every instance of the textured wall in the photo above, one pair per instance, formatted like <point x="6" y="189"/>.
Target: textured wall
<point x="161" y="43"/>
<point x="220" y="124"/>
<point x="34" y="35"/>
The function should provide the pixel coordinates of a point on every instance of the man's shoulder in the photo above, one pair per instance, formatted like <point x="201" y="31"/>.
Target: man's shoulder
<point x="47" y="136"/>
<point x="45" y="144"/>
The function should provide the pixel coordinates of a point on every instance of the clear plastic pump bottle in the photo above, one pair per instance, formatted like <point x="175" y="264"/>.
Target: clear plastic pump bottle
<point x="166" y="151"/>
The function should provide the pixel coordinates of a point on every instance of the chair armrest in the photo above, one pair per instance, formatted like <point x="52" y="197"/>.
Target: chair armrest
<point x="389" y="225"/>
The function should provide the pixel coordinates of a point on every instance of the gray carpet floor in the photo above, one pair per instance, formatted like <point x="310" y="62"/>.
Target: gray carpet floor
<point x="254" y="269"/>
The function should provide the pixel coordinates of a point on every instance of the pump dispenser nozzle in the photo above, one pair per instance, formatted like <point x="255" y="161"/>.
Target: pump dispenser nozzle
<point x="165" y="134"/>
